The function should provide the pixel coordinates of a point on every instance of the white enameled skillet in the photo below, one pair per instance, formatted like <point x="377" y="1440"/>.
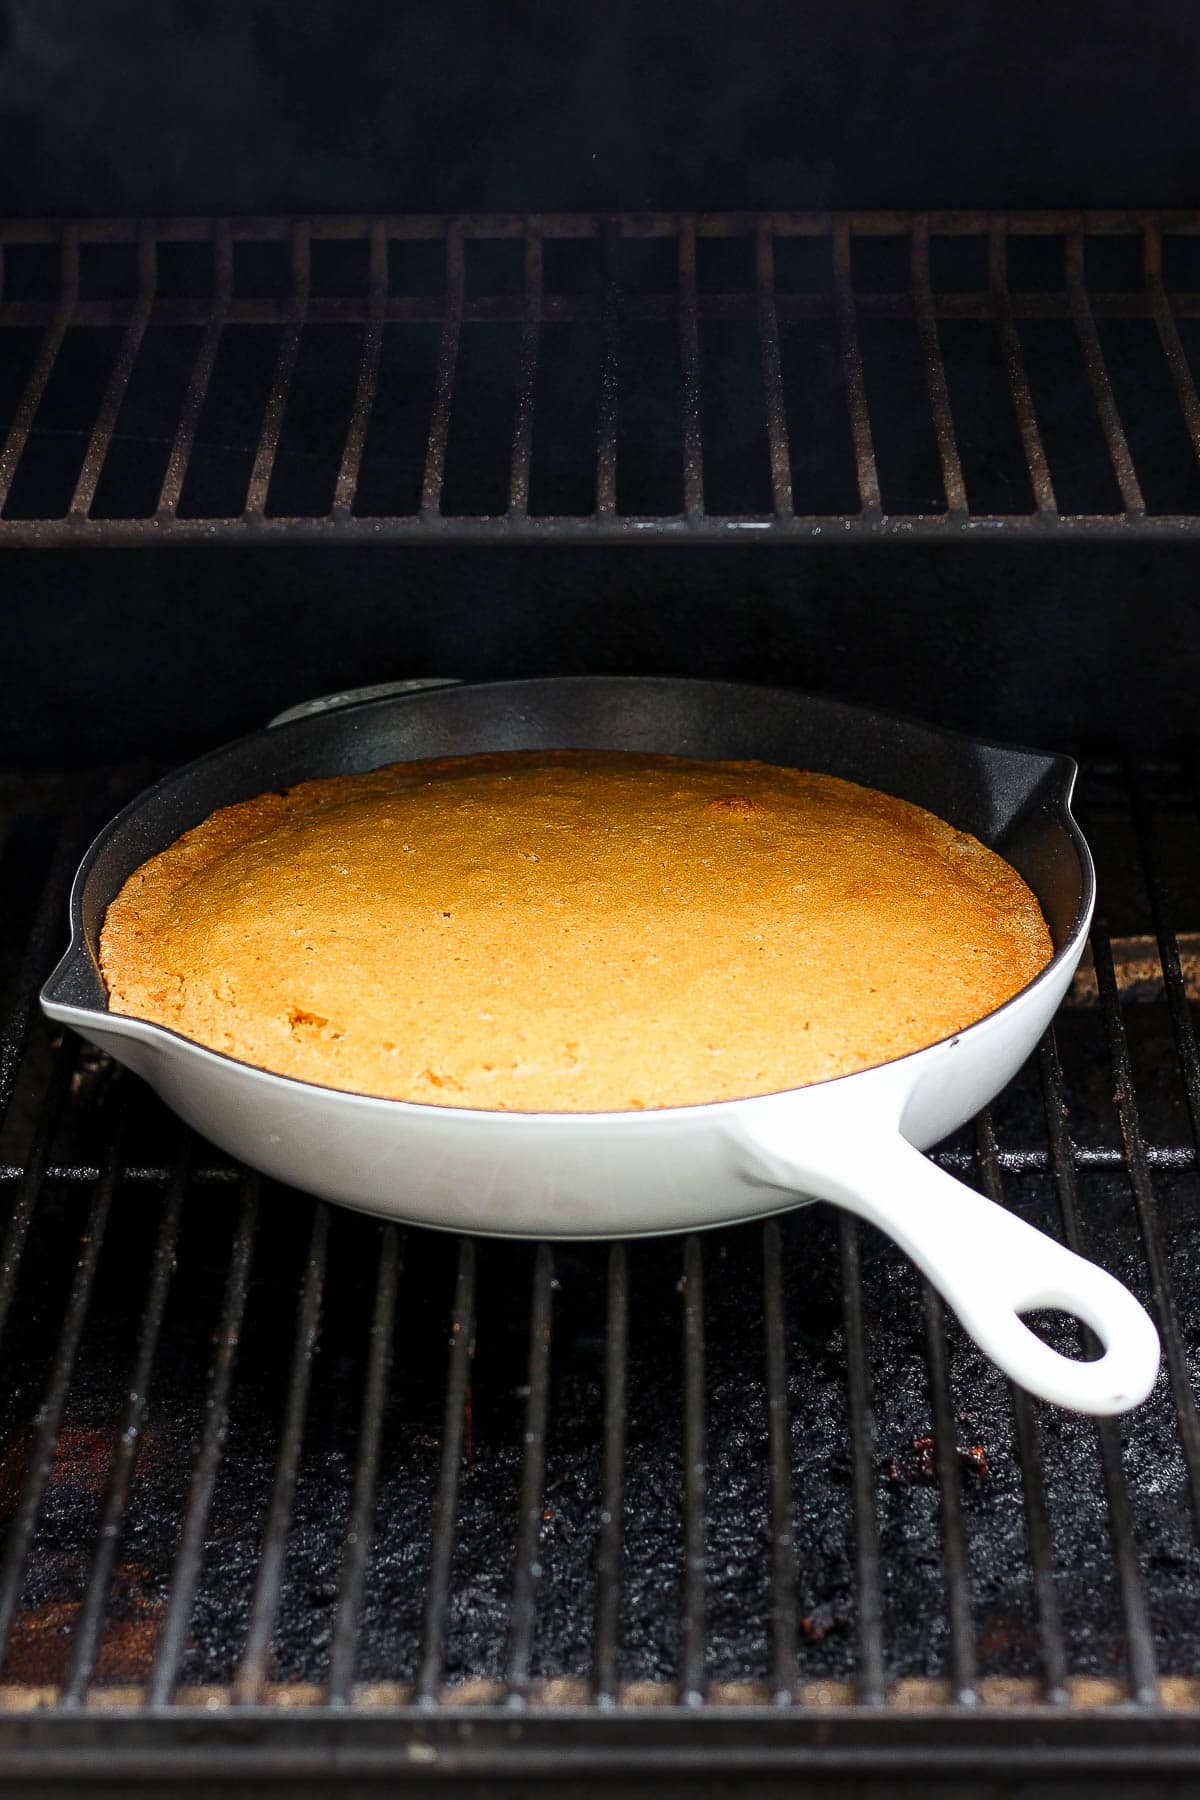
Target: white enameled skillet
<point x="856" y="1141"/>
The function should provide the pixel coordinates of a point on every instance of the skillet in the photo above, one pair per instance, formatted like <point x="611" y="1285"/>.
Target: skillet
<point x="855" y="1141"/>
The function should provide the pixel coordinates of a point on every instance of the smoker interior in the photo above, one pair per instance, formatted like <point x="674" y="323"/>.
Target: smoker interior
<point x="292" y="1496"/>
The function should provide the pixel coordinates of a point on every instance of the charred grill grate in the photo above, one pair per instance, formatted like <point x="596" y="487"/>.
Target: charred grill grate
<point x="264" y="1461"/>
<point x="583" y="378"/>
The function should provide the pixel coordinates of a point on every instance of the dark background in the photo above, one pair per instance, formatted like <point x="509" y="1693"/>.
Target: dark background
<point x="112" y="107"/>
<point x="119" y="106"/>
<point x="121" y="655"/>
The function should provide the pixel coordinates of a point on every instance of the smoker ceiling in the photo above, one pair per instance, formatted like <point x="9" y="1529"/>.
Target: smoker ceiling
<point x="638" y="378"/>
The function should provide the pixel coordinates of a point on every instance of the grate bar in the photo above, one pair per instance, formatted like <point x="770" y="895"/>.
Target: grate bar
<point x="964" y="1681"/>
<point x="189" y="1558"/>
<point x="445" y="1515"/>
<point x="610" y="374"/>
<point x="1106" y="403"/>
<point x="362" y="1509"/>
<point x="662" y="307"/>
<point x="867" y="1584"/>
<point x="783" y="1549"/>
<point x="1143" y="1679"/>
<point x="1018" y="379"/>
<point x="17" y="1230"/>
<point x="47" y="356"/>
<point x="1138" y="1635"/>
<point x="346" y="485"/>
<point x="695" y="1474"/>
<point x="527" y="1571"/>
<point x="612" y="1488"/>
<point x="285" y="369"/>
<point x="1168" y="954"/>
<point x="689" y="361"/>
<point x="531" y="326"/>
<point x="443" y="392"/>
<point x="1168" y="334"/>
<point x="772" y="367"/>
<point x="251" y="1676"/>
<point x="92" y="1613"/>
<point x="110" y="406"/>
<point x="1038" y="1535"/>
<point x="658" y="308"/>
<point x="1033" y="1479"/>
<point x="50" y="1412"/>
<point x="206" y="356"/>
<point x="1146" y="1204"/>
<point x="935" y="374"/>
<point x="852" y="365"/>
<point x="592" y="528"/>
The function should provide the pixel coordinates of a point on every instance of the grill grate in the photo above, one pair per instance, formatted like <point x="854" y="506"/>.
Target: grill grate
<point x="583" y="378"/>
<point x="265" y="1460"/>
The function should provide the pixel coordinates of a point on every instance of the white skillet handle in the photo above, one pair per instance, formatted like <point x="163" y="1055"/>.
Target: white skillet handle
<point x="990" y="1265"/>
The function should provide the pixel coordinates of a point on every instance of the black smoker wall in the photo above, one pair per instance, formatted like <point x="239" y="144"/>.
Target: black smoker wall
<point x="119" y="655"/>
<point x="335" y="105"/>
<point x="113" y="106"/>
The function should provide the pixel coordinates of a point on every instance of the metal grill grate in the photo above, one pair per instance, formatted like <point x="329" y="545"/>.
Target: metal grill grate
<point x="723" y="376"/>
<point x="267" y="1462"/>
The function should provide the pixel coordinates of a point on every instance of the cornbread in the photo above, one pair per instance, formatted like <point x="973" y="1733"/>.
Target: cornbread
<point x="570" y="931"/>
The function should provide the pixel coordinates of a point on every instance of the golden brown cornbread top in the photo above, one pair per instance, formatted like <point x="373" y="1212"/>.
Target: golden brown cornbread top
<point x="571" y="931"/>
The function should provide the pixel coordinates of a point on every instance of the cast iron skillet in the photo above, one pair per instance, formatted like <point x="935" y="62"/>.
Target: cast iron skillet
<point x="854" y="1141"/>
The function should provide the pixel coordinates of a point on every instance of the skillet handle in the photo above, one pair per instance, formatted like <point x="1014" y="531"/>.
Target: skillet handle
<point x="379" y="690"/>
<point x="990" y="1265"/>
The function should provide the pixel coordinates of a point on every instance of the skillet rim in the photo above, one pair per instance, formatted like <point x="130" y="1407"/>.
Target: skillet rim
<point x="1061" y="766"/>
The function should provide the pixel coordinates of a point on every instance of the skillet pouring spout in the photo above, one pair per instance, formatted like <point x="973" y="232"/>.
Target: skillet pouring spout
<point x="855" y="1142"/>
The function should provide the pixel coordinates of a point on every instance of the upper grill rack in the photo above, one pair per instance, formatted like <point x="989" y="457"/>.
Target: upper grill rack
<point x="639" y="377"/>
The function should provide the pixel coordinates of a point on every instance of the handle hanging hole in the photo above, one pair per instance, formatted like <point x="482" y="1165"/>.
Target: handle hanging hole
<point x="1063" y="1332"/>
